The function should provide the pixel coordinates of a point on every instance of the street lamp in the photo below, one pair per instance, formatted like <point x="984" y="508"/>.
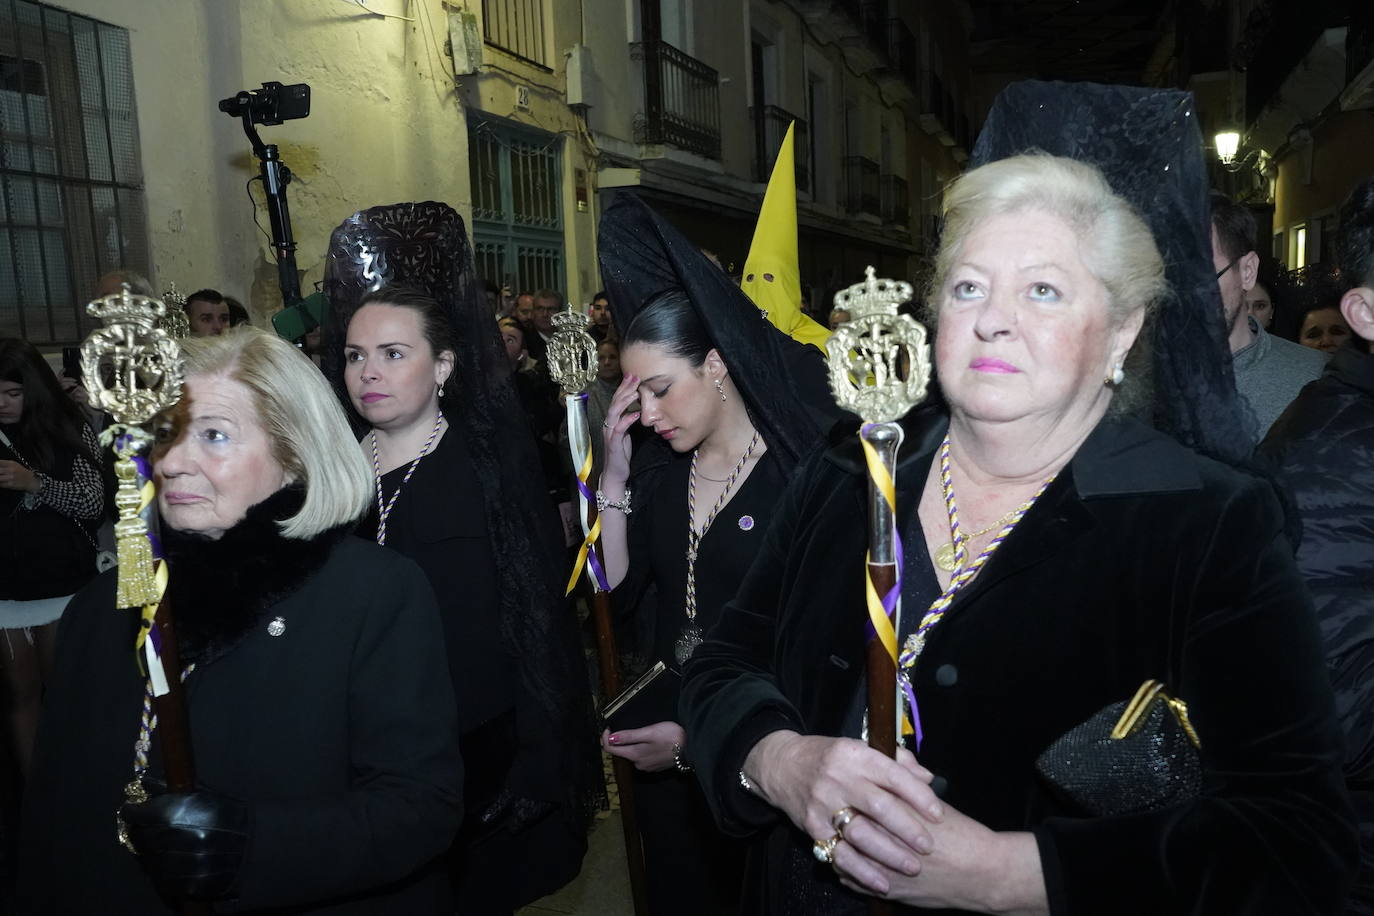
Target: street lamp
<point x="1228" y="143"/>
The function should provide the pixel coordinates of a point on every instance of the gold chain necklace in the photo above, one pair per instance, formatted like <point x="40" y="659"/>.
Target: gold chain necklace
<point x="945" y="556"/>
<point x="691" y="635"/>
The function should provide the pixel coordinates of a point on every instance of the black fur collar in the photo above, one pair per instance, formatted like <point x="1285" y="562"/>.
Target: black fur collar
<point x="221" y="589"/>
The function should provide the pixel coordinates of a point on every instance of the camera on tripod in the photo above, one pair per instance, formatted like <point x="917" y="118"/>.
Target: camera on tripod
<point x="270" y="105"/>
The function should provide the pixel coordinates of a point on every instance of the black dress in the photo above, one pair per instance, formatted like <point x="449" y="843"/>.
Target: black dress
<point x="692" y="867"/>
<point x="508" y="850"/>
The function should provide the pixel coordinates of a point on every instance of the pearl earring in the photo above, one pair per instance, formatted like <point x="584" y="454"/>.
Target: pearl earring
<point x="1117" y="377"/>
<point x="720" y="390"/>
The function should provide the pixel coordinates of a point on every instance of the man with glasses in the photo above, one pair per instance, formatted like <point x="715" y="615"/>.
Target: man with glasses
<point x="1270" y="371"/>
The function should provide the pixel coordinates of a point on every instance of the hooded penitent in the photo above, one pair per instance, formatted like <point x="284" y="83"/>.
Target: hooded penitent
<point x="772" y="277"/>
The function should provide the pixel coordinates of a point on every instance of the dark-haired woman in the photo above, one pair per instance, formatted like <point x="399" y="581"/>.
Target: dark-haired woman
<point x="51" y="500"/>
<point x="691" y="539"/>
<point x="399" y="364"/>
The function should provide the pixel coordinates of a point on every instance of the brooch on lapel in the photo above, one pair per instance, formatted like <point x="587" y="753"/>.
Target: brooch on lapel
<point x="746" y="523"/>
<point x="277" y="626"/>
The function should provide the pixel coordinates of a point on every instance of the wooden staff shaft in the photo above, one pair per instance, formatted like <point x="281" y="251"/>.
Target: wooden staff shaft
<point x="611" y="685"/>
<point x="173" y="722"/>
<point x="884" y="439"/>
<point x="882" y="677"/>
<point x="174" y="726"/>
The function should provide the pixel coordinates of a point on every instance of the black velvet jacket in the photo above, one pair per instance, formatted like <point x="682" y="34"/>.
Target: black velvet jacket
<point x="1142" y="560"/>
<point x="337" y="725"/>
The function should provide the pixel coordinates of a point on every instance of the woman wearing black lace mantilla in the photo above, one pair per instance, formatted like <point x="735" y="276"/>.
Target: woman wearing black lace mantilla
<point x="722" y="399"/>
<point x="1059" y="554"/>
<point x="420" y="367"/>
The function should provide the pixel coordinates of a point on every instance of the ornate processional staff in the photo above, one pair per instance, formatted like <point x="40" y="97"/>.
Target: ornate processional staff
<point x="572" y="364"/>
<point x="133" y="370"/>
<point x="879" y="368"/>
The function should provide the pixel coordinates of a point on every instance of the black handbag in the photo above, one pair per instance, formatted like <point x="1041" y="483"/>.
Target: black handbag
<point x="1129" y="757"/>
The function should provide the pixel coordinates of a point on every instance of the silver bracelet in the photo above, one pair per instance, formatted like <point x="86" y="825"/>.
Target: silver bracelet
<point x="682" y="765"/>
<point x="622" y="505"/>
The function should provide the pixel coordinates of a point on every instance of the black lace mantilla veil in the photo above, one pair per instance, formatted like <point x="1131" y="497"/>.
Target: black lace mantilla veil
<point x="643" y="255"/>
<point x="1148" y="145"/>
<point x="425" y="246"/>
<point x="783" y="382"/>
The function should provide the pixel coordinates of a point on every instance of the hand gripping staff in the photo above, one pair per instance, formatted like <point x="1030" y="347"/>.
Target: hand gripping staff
<point x="572" y="364"/>
<point x="879" y="368"/>
<point x="133" y="369"/>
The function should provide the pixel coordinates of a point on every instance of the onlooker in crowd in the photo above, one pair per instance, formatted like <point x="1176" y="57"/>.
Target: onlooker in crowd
<point x="51" y="505"/>
<point x="1324" y="446"/>
<point x="513" y="338"/>
<point x="1269" y="371"/>
<point x="837" y="317"/>
<point x="238" y="315"/>
<point x="1260" y="304"/>
<point x="1324" y="329"/>
<point x="602" y="327"/>
<point x="535" y="345"/>
<point x="328" y="770"/>
<point x="207" y="312"/>
<point x="547" y="303"/>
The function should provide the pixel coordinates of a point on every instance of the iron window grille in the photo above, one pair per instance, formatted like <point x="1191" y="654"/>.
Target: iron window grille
<point x="516" y="27"/>
<point x="71" y="181"/>
<point x="517" y="215"/>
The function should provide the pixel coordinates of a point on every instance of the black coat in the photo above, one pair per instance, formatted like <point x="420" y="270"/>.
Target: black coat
<point x="1141" y="560"/>
<point x="340" y="732"/>
<point x="1323" y="445"/>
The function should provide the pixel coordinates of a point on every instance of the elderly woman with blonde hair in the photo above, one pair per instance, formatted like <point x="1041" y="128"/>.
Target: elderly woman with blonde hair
<point x="1059" y="555"/>
<point x="321" y="715"/>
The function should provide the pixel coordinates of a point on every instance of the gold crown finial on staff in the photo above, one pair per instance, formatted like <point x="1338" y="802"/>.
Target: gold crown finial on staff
<point x="572" y="352"/>
<point x="174" y="320"/>
<point x="133" y="370"/>
<point x="879" y="359"/>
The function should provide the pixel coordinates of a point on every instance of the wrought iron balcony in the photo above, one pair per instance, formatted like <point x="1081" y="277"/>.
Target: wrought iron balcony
<point x="681" y="100"/>
<point x="770" y="126"/>
<point x="861" y="186"/>
<point x="896" y="205"/>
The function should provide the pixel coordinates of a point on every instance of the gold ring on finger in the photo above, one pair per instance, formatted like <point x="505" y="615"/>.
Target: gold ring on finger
<point x="824" y="850"/>
<point x="841" y="819"/>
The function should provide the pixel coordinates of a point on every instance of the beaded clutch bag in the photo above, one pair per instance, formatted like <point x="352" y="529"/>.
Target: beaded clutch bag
<point x="1131" y="756"/>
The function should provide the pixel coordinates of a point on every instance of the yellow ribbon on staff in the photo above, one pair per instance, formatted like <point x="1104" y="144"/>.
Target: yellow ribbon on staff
<point x="147" y="493"/>
<point x="583" y="474"/>
<point x="877" y="613"/>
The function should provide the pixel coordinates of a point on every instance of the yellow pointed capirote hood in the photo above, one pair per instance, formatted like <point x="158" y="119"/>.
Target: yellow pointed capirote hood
<point x="771" y="274"/>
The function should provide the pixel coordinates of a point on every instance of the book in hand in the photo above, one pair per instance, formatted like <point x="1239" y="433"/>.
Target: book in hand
<point x="652" y="698"/>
